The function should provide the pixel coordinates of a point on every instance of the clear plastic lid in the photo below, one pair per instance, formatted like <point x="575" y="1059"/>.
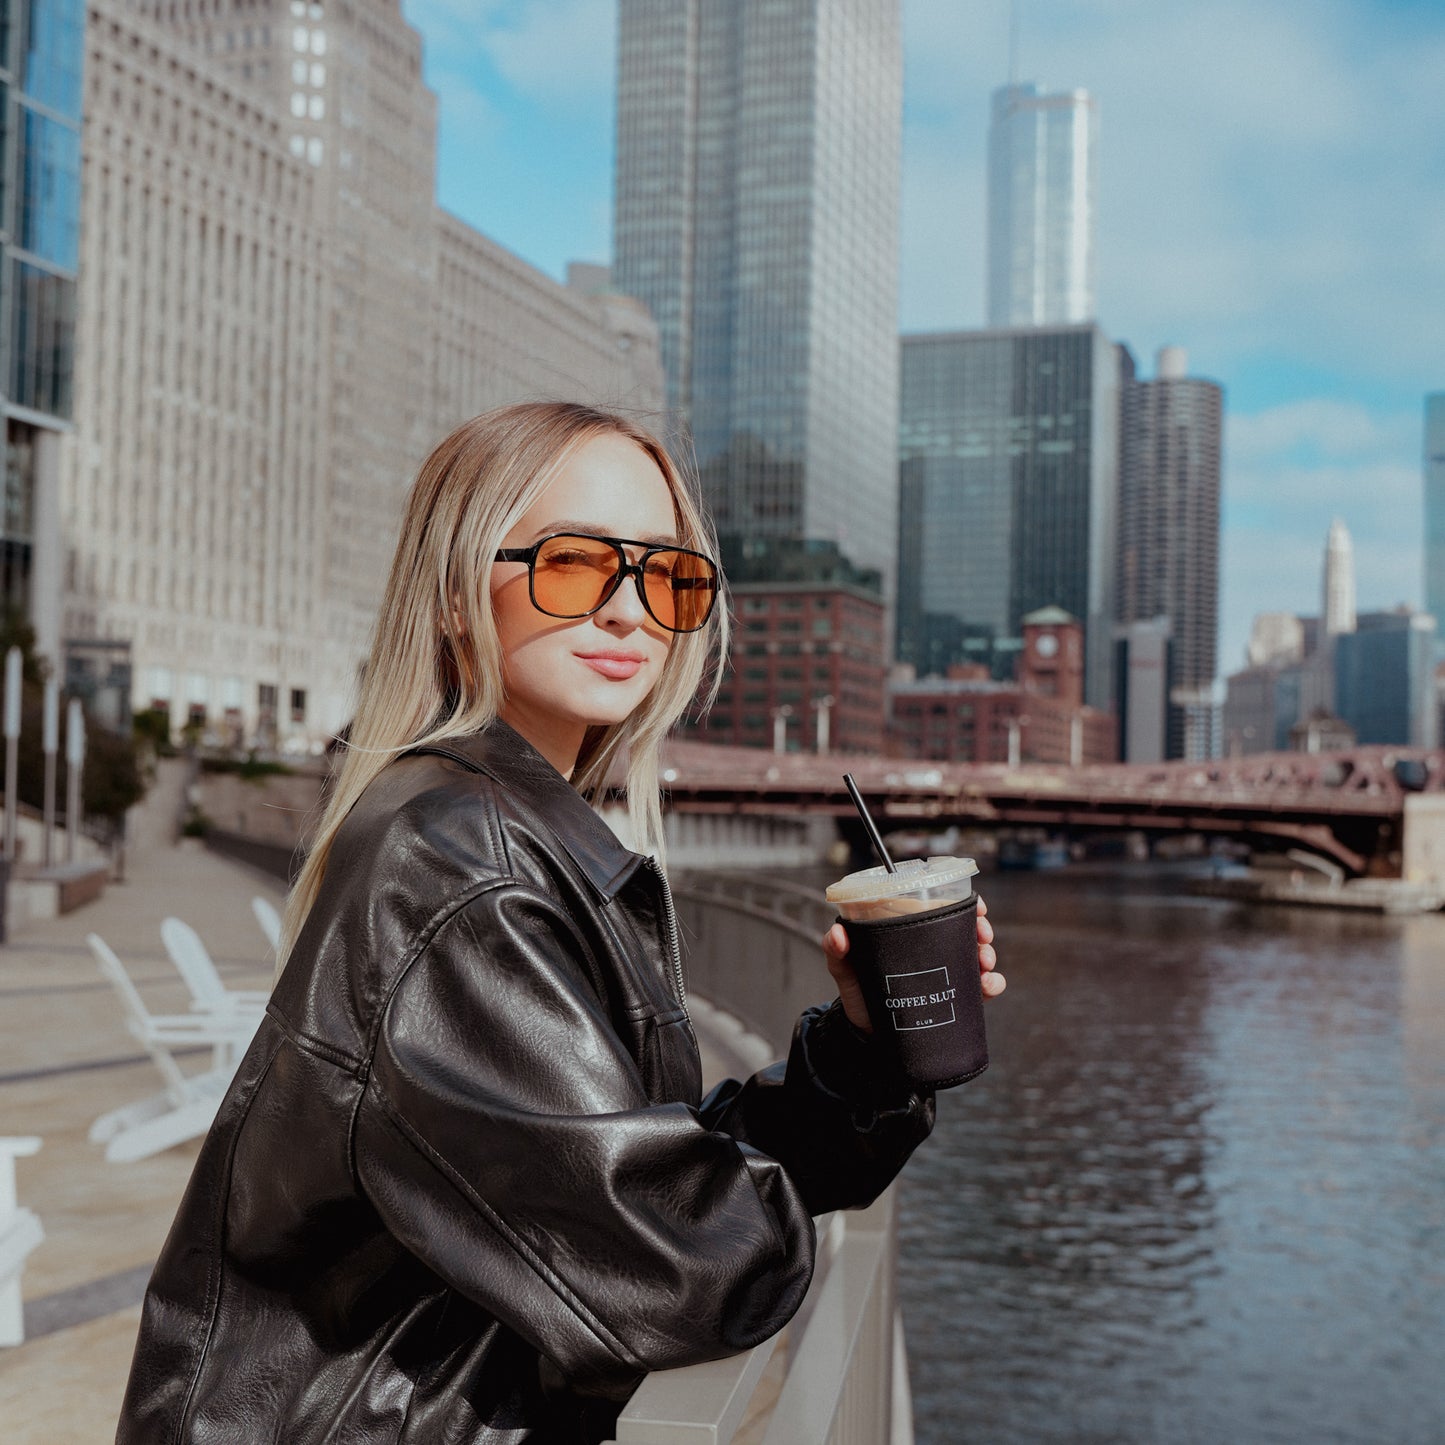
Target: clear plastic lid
<point x="914" y="875"/>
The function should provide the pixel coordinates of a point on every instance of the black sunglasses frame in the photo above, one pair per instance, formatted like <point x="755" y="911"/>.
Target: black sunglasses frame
<point x="625" y="569"/>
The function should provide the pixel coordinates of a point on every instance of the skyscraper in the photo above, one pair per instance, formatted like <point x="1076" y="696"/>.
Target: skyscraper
<point x="1041" y="207"/>
<point x="1384" y="678"/>
<point x="1168" y="561"/>
<point x="41" y="49"/>
<point x="1435" y="509"/>
<point x="757" y="216"/>
<point x="1008" y="468"/>
<point x="1338" y="613"/>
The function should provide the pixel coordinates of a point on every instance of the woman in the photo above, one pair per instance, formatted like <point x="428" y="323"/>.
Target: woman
<point x="463" y="1187"/>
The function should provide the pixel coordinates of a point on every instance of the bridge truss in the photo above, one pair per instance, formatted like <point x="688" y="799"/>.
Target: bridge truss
<point x="1348" y="807"/>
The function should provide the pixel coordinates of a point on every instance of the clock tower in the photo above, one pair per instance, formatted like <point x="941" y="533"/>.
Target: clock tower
<point x="1052" y="661"/>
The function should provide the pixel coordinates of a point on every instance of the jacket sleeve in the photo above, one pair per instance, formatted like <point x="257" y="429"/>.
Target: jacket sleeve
<point x="835" y="1115"/>
<point x="505" y="1138"/>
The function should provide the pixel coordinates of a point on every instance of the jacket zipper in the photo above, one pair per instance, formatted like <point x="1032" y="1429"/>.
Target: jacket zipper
<point x="669" y="914"/>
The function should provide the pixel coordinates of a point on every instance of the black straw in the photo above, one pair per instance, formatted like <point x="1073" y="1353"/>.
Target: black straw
<point x="874" y="836"/>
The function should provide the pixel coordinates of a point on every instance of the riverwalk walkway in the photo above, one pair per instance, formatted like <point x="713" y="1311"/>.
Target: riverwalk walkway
<point x="65" y="1058"/>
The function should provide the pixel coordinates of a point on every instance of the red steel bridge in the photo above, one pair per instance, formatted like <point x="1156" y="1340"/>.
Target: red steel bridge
<point x="1348" y="807"/>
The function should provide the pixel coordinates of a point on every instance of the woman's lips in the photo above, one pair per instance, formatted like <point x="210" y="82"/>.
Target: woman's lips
<point x="617" y="665"/>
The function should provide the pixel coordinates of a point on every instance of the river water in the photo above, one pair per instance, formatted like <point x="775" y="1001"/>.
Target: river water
<point x="1199" y="1196"/>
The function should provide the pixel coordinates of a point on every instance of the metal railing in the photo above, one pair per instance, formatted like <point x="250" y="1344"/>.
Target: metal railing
<point x="837" y="1375"/>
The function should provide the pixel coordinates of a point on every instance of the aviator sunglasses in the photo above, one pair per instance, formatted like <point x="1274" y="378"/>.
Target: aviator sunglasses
<point x="572" y="575"/>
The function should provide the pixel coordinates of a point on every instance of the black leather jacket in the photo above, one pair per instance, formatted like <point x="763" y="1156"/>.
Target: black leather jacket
<point x="463" y="1187"/>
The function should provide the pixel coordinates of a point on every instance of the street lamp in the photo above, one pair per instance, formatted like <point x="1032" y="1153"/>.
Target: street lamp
<point x="1016" y="726"/>
<point x="74" y="765"/>
<point x="13" y="668"/>
<point x="821" y="732"/>
<point x="780" y="727"/>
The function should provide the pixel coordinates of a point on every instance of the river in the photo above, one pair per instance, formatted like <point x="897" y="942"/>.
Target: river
<point x="1199" y="1196"/>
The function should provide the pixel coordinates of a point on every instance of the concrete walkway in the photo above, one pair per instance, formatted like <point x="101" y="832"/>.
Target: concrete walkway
<point x="65" y="1058"/>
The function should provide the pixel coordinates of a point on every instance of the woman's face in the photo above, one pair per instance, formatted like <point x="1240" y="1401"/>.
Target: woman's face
<point x="562" y="676"/>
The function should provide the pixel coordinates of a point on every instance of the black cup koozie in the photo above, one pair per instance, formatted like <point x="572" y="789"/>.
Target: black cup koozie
<point x="920" y="980"/>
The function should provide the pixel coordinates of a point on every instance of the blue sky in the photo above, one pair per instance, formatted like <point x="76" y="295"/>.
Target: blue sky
<point x="1272" y="198"/>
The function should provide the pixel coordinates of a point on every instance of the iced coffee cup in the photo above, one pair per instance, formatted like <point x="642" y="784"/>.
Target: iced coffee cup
<point x="913" y="942"/>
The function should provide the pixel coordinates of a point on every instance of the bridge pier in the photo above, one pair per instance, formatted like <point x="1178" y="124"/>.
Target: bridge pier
<point x="1423" y="846"/>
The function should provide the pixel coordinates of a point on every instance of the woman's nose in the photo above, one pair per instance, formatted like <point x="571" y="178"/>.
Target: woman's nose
<point x="625" y="604"/>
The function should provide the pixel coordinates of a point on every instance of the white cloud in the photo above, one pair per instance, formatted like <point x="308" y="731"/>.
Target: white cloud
<point x="557" y="52"/>
<point x="1373" y="497"/>
<point x="1336" y="428"/>
<point x="464" y="108"/>
<point x="451" y="26"/>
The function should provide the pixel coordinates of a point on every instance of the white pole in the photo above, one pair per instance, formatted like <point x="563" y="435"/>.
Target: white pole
<point x="825" y="717"/>
<point x="1076" y="740"/>
<point x="13" y="663"/>
<point x="50" y="745"/>
<point x="780" y="731"/>
<point x="1014" y="749"/>
<point x="74" y="764"/>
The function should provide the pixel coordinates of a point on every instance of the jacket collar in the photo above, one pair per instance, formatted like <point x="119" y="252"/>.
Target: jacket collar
<point x="504" y="755"/>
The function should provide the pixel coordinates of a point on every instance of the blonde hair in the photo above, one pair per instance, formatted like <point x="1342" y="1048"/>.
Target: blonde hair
<point x="435" y="667"/>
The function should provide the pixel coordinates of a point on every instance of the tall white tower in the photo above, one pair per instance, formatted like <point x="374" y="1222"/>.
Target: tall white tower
<point x="1339" y="599"/>
<point x="1041" y="207"/>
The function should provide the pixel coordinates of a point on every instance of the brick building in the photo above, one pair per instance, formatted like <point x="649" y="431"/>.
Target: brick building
<point x="1041" y="717"/>
<point x="807" y="664"/>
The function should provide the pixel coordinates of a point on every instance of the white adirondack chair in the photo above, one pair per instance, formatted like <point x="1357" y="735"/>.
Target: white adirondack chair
<point x="188" y="1103"/>
<point x="20" y="1232"/>
<point x="208" y="993"/>
<point x="269" y="920"/>
<point x="201" y="976"/>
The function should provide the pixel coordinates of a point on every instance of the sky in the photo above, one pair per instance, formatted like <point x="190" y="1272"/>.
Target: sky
<point x="1271" y="197"/>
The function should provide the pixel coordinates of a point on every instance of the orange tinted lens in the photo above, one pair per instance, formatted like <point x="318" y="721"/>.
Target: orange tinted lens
<point x="572" y="574"/>
<point x="680" y="589"/>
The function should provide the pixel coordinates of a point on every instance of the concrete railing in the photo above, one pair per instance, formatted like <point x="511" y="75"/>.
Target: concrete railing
<point x="754" y="947"/>
<point x="837" y="1375"/>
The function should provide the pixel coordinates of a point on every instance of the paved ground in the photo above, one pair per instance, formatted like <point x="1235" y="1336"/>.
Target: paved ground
<point x="65" y="1058"/>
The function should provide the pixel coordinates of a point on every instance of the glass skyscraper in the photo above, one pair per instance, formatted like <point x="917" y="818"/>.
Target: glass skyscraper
<point x="1041" y="207"/>
<point x="40" y="64"/>
<point x="1435" y="511"/>
<point x="757" y="216"/>
<point x="1008" y="469"/>
<point x="1170" y="461"/>
<point x="1384" y="678"/>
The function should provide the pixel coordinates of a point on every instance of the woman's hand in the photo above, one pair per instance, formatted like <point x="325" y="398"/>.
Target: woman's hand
<point x="835" y="949"/>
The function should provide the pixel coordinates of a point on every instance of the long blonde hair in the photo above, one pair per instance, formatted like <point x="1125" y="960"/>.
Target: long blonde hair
<point x="435" y="668"/>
